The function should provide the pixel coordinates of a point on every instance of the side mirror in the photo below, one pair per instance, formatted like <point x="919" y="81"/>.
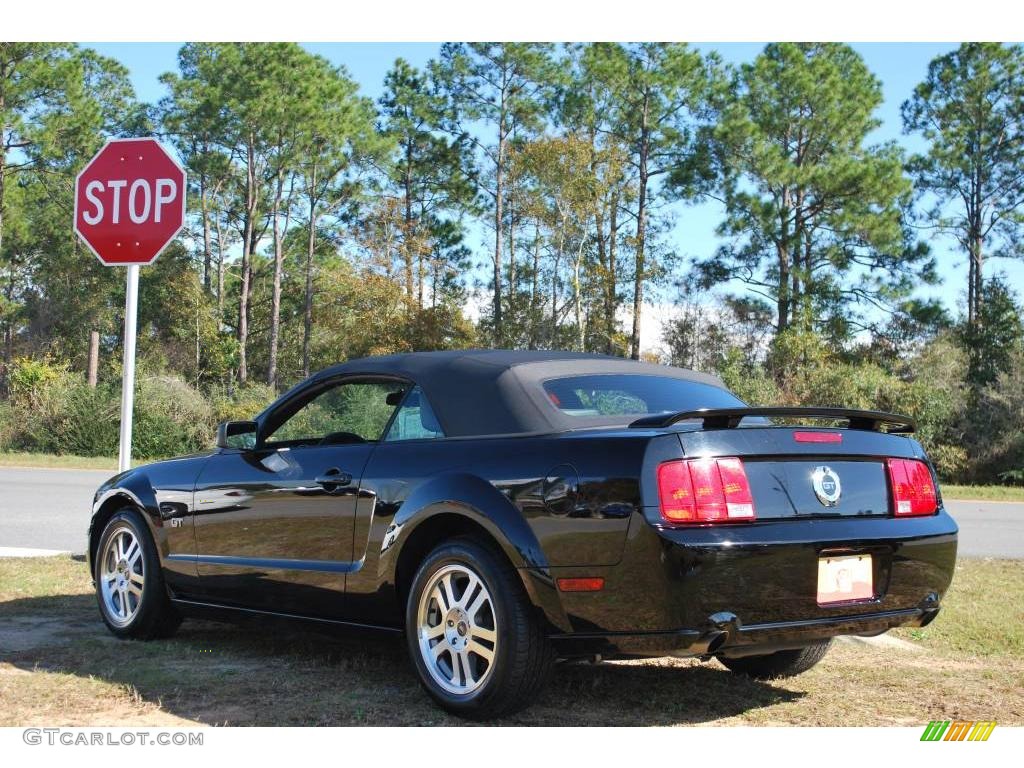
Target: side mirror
<point x="240" y="435"/>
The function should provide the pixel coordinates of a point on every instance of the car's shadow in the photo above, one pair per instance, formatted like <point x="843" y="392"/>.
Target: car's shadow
<point x="270" y="674"/>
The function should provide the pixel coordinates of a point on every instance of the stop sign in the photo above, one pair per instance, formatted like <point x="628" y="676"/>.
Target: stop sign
<point x="130" y="201"/>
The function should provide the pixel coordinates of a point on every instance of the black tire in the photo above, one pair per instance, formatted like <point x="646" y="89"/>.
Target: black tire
<point x="779" y="664"/>
<point x="523" y="656"/>
<point x="154" y="615"/>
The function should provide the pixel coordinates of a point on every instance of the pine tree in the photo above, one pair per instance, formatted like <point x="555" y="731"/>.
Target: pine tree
<point x="970" y="110"/>
<point x="813" y="212"/>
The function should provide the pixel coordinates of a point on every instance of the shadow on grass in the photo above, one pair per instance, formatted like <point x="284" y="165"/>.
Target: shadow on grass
<point x="272" y="674"/>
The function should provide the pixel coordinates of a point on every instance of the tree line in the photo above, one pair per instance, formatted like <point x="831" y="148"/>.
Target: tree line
<point x="548" y="178"/>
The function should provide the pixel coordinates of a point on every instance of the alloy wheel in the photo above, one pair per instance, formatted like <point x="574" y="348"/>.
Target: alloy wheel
<point x="457" y="629"/>
<point x="122" y="576"/>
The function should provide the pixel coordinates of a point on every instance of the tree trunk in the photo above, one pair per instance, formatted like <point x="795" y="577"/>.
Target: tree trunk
<point x="535" y="290"/>
<point x="513" y="293"/>
<point x="498" y="215"/>
<point x="3" y="179"/>
<point x="552" y="344"/>
<point x="207" y="251"/>
<point x="92" y="371"/>
<point x="407" y="232"/>
<point x="3" y="172"/>
<point x="421" y="268"/>
<point x="499" y="191"/>
<point x="782" y="300"/>
<point x="275" y="296"/>
<point x="975" y="222"/>
<point x="978" y="262"/>
<point x="641" y="232"/>
<point x="247" y="251"/>
<point x="975" y="248"/>
<point x="577" y="300"/>
<point x="199" y="349"/>
<point x="797" y="310"/>
<point x="602" y="256"/>
<point x="807" y="289"/>
<point x="612" y="299"/>
<point x="307" y="313"/>
<point x="8" y="331"/>
<point x="220" y="273"/>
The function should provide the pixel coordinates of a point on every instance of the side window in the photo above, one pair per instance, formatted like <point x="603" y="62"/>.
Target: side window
<point x="415" y="420"/>
<point x="349" y="412"/>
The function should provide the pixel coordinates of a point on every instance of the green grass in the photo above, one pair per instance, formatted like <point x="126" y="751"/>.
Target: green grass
<point x="983" y="492"/>
<point x="55" y="461"/>
<point x="59" y="666"/>
<point x="982" y="614"/>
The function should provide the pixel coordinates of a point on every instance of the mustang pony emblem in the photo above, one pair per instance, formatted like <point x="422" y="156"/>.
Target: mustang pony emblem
<point x="826" y="486"/>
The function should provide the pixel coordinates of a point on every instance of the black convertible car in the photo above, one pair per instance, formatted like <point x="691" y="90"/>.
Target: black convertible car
<point x="506" y="509"/>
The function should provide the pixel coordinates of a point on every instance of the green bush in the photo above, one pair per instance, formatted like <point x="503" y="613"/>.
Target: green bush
<point x="929" y="386"/>
<point x="750" y="383"/>
<point x="242" y="404"/>
<point x="170" y="418"/>
<point x="994" y="428"/>
<point x="8" y="431"/>
<point x="27" y="376"/>
<point x="54" y="411"/>
<point x="951" y="461"/>
<point x="78" y="420"/>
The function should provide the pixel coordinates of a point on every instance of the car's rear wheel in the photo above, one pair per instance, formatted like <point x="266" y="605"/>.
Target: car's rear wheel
<point x="129" y="583"/>
<point x="475" y="639"/>
<point x="779" y="664"/>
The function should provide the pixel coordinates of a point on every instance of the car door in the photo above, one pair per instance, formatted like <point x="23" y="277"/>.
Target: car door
<point x="274" y="523"/>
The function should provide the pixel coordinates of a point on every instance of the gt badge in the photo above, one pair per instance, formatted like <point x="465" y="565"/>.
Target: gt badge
<point x="826" y="486"/>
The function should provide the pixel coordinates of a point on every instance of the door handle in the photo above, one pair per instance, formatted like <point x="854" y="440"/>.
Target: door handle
<point x="333" y="479"/>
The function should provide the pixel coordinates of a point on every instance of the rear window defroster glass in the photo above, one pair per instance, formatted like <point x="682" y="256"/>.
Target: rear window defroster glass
<point x="633" y="395"/>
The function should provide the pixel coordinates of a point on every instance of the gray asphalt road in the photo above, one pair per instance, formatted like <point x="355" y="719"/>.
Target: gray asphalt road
<point x="989" y="528"/>
<point x="49" y="509"/>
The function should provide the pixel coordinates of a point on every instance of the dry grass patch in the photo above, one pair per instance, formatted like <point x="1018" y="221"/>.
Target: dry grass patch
<point x="59" y="665"/>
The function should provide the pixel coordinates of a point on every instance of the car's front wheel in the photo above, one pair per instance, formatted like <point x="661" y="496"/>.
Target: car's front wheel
<point x="779" y="664"/>
<point x="129" y="583"/>
<point x="475" y="639"/>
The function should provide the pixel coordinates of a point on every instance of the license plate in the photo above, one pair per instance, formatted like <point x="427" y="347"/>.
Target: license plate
<point x="845" y="578"/>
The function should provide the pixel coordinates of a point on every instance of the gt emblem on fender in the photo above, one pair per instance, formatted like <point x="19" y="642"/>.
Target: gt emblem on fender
<point x="826" y="486"/>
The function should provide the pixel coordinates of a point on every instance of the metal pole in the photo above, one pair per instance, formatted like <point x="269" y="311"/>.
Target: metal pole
<point x="131" y="306"/>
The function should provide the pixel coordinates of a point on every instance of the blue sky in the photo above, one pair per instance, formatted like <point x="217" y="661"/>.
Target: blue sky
<point x="899" y="66"/>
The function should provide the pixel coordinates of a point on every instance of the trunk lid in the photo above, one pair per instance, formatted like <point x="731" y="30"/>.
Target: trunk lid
<point x="791" y="479"/>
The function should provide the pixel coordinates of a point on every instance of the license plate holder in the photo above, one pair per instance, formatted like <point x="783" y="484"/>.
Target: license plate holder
<point x="845" y="579"/>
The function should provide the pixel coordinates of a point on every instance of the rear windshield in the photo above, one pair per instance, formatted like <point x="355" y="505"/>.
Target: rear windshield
<point x="633" y="395"/>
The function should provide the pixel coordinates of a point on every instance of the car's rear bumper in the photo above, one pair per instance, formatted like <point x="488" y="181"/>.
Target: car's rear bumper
<point x="731" y="639"/>
<point x="753" y="588"/>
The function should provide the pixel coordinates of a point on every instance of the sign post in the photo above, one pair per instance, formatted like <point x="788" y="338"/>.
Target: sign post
<point x="131" y="315"/>
<point x="129" y="205"/>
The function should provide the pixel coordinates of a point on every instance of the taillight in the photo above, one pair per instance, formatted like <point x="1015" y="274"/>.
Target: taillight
<point x="913" y="492"/>
<point x="705" y="491"/>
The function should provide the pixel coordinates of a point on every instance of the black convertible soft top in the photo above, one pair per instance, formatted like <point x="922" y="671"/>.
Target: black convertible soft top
<point x="499" y="392"/>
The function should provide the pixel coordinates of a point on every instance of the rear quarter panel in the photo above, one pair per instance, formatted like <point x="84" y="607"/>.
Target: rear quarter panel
<point x="550" y="501"/>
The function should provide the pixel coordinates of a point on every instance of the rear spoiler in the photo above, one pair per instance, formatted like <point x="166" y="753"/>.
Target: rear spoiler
<point x="729" y="418"/>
